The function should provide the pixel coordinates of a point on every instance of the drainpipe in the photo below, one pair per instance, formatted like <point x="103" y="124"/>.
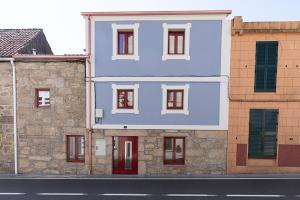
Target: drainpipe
<point x="90" y="131"/>
<point x="14" y="111"/>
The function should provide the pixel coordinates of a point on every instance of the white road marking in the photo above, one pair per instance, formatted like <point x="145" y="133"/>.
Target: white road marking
<point x="191" y="195"/>
<point x="61" y="194"/>
<point x="254" y="195"/>
<point x="118" y="194"/>
<point x="11" y="193"/>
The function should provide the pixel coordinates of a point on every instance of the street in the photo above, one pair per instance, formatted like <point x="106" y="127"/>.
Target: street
<point x="150" y="188"/>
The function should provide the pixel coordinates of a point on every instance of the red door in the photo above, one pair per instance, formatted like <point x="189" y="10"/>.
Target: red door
<point x="125" y="155"/>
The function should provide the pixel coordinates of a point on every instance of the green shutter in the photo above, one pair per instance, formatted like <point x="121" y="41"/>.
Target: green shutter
<point x="263" y="133"/>
<point x="266" y="66"/>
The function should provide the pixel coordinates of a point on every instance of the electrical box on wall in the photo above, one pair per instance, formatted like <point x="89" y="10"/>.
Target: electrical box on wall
<point x="99" y="113"/>
<point x="100" y="147"/>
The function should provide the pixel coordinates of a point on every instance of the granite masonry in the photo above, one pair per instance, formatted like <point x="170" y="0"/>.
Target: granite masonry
<point x="42" y="131"/>
<point x="6" y="119"/>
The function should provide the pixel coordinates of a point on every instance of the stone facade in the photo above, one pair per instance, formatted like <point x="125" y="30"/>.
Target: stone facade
<point x="6" y="119"/>
<point x="42" y="131"/>
<point x="205" y="151"/>
<point x="242" y="96"/>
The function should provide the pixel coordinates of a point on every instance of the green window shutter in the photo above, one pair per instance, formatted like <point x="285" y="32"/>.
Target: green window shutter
<point x="263" y="133"/>
<point x="266" y="66"/>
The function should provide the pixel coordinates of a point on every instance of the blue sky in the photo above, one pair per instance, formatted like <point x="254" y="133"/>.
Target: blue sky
<point x="64" y="26"/>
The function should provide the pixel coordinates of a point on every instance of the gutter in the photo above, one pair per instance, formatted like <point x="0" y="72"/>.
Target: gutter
<point x="14" y="111"/>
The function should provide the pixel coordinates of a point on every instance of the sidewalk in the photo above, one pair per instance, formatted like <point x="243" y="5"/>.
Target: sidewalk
<point x="152" y="177"/>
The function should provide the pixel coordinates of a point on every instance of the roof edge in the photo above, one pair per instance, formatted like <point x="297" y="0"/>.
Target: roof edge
<point x="67" y="57"/>
<point x="149" y="13"/>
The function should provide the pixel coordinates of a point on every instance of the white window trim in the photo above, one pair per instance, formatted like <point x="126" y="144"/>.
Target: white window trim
<point x="115" y="88"/>
<point x="187" y="29"/>
<point x="185" y="88"/>
<point x="135" y="28"/>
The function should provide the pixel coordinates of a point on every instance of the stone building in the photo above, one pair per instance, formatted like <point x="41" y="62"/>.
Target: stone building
<point x="264" y="114"/>
<point x="50" y="113"/>
<point x="13" y="41"/>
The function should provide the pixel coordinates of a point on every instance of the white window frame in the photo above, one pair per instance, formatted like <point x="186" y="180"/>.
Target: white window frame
<point x="115" y="29"/>
<point x="115" y="89"/>
<point x="187" y="29"/>
<point x="185" y="88"/>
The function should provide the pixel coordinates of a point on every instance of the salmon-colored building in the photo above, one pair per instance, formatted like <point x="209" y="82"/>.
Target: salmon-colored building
<point x="264" y="113"/>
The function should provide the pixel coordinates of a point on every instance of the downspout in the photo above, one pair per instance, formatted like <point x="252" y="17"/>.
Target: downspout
<point x="14" y="111"/>
<point x="90" y="131"/>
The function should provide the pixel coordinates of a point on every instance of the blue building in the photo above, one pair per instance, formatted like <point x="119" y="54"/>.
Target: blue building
<point x="157" y="91"/>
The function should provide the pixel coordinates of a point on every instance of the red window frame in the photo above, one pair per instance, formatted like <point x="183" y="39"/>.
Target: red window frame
<point x="176" y="34"/>
<point x="127" y="35"/>
<point x="175" y="99"/>
<point x="174" y="161"/>
<point x="126" y="106"/>
<point x="77" y="139"/>
<point x="36" y="101"/>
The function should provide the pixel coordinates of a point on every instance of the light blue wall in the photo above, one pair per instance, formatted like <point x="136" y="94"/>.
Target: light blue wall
<point x="203" y="105"/>
<point x="205" y="51"/>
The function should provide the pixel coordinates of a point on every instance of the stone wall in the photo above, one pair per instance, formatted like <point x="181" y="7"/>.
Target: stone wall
<point x="6" y="119"/>
<point x="42" y="131"/>
<point x="205" y="151"/>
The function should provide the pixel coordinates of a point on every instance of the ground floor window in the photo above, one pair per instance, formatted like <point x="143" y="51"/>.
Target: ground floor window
<point x="263" y="133"/>
<point x="75" y="148"/>
<point x="174" y="150"/>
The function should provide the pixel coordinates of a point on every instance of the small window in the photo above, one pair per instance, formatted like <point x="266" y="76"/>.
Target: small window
<point x="176" y="42"/>
<point x="75" y="148"/>
<point x="42" y="98"/>
<point x="174" y="150"/>
<point x="125" y="99"/>
<point x="175" y="99"/>
<point x="125" y="43"/>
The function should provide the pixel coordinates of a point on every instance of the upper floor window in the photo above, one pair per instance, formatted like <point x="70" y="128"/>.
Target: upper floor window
<point x="266" y="66"/>
<point x="125" y="41"/>
<point x="42" y="97"/>
<point x="175" y="99"/>
<point x="125" y="99"/>
<point x="75" y="148"/>
<point x="176" y="43"/>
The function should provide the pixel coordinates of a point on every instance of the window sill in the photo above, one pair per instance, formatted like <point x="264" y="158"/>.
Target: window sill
<point x="184" y="112"/>
<point x="129" y="111"/>
<point x="125" y="57"/>
<point x="176" y="57"/>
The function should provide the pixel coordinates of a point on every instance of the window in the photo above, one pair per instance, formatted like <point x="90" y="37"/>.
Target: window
<point x="174" y="150"/>
<point x="75" y="148"/>
<point x="266" y="66"/>
<point x="176" y="43"/>
<point x="125" y="99"/>
<point x="175" y="99"/>
<point x="42" y="98"/>
<point x="125" y="41"/>
<point x="263" y="133"/>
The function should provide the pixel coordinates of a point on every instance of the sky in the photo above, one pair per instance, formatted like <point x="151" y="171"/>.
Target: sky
<point x="64" y="27"/>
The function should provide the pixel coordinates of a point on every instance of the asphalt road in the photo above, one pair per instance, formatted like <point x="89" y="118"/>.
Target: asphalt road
<point x="146" y="189"/>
